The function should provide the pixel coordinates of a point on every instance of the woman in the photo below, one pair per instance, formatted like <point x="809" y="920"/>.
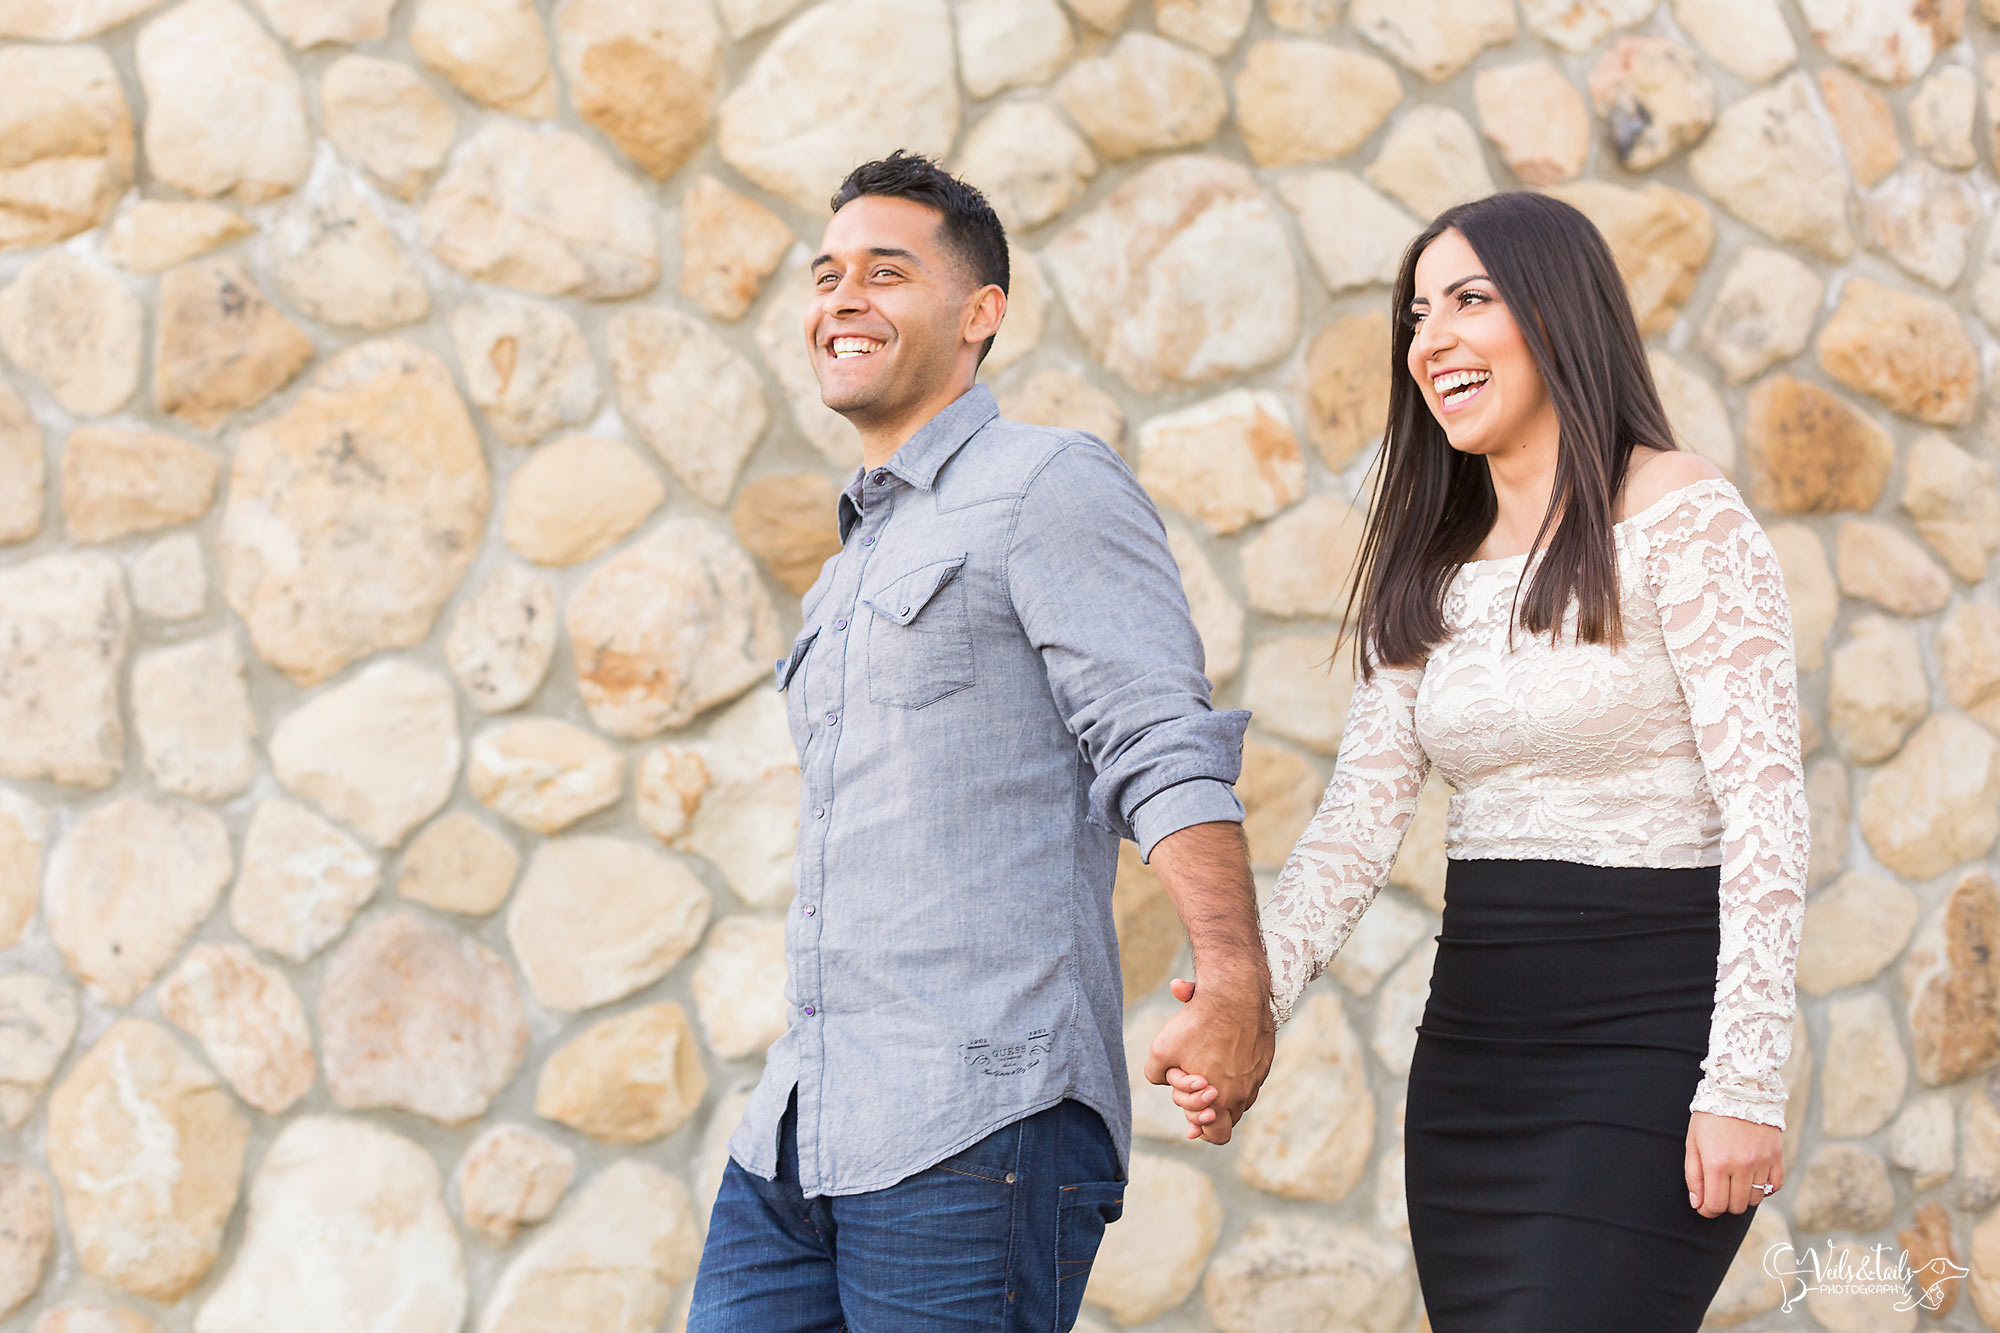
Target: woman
<point x="1585" y="631"/>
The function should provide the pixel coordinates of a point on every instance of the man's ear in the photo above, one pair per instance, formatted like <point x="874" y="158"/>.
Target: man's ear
<point x="984" y="310"/>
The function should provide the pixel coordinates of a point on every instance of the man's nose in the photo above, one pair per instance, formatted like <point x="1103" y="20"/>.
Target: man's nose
<point x="849" y="296"/>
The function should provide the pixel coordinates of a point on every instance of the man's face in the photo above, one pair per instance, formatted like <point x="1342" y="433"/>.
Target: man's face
<point x="889" y="311"/>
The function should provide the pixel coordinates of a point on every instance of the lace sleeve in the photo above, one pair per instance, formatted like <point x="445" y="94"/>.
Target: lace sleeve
<point x="1345" y="853"/>
<point x="1728" y="629"/>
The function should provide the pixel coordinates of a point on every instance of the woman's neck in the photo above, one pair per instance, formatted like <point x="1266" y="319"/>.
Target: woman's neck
<point x="1523" y="477"/>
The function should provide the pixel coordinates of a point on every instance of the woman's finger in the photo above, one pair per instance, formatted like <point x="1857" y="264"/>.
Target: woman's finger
<point x="1691" y="1169"/>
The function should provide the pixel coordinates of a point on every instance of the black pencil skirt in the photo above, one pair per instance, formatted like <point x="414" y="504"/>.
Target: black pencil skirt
<point x="1548" y="1104"/>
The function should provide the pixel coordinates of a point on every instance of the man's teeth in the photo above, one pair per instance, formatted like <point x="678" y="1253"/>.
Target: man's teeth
<point x="845" y="347"/>
<point x="1460" y="384"/>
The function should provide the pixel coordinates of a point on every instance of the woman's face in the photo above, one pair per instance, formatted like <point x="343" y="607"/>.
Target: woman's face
<point x="1468" y="356"/>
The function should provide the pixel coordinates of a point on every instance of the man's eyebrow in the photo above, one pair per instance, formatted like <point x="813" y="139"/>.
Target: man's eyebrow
<point x="879" y="252"/>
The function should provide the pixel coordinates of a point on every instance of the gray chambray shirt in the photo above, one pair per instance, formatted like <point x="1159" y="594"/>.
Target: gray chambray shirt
<point x="998" y="679"/>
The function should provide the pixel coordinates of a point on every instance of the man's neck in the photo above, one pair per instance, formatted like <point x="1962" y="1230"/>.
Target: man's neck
<point x="881" y="439"/>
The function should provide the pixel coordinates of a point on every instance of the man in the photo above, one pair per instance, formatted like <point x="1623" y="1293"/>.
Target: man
<point x="996" y="680"/>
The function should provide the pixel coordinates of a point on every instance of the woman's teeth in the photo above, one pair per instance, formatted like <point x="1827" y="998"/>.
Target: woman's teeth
<point x="1460" y="385"/>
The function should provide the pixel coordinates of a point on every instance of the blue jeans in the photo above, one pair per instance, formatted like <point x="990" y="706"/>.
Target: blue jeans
<point x="999" y="1237"/>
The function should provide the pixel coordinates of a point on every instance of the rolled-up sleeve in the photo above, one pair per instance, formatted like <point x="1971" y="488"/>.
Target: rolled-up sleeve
<point x="1096" y="589"/>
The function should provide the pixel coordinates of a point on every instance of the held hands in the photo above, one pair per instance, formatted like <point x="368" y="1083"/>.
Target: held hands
<point x="1227" y="1035"/>
<point x="1726" y="1159"/>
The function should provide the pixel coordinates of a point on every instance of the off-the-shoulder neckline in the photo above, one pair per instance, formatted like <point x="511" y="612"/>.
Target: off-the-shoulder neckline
<point x="1666" y="501"/>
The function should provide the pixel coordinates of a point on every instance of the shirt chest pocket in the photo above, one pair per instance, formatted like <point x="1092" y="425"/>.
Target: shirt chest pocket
<point x="919" y="636"/>
<point x="792" y="684"/>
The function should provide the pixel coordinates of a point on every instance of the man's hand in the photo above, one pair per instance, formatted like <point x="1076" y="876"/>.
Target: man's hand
<point x="1231" y="1040"/>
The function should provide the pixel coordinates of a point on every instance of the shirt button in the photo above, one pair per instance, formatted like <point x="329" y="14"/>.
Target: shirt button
<point x="832" y="719"/>
<point x="904" y="612"/>
<point x="1010" y="1177"/>
<point x="838" y="624"/>
<point x="809" y="1011"/>
<point x="881" y="478"/>
<point x="819" y="812"/>
<point x="867" y="541"/>
<point x="810" y="909"/>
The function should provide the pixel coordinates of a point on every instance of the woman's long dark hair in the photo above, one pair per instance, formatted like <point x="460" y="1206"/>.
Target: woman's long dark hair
<point x="1434" y="505"/>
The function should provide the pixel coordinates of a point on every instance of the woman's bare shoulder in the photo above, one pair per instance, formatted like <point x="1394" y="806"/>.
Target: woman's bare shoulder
<point x="1654" y="473"/>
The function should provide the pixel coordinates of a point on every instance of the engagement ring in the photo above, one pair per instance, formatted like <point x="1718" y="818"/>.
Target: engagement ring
<point x="1766" y="1188"/>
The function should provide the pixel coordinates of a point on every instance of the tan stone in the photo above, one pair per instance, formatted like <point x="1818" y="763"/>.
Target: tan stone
<point x="1066" y="399"/>
<point x="509" y="1178"/>
<point x="1006" y="44"/>
<point x="118" y="482"/>
<point x="1877" y="690"/>
<point x="1152" y="1259"/>
<point x="1695" y="411"/>
<point x="306" y="23"/>
<point x="1308" y="16"/>
<point x="156" y="234"/>
<point x="526" y="365"/>
<point x="1853" y="931"/>
<point x="1911" y="352"/>
<point x="191" y="709"/>
<point x="69" y="626"/>
<point x="1149" y="929"/>
<point x="1576" y="25"/>
<point x="218" y="345"/>
<point x="75" y="327"/>
<point x="1954" y="501"/>
<point x="1029" y="299"/>
<point x="1313" y="1129"/>
<point x="1768" y="161"/>
<point x="1213" y="26"/>
<point x="629" y="1079"/>
<point x="1747" y="1290"/>
<point x="1655" y="99"/>
<point x="730" y="244"/>
<point x="788" y="522"/>
<point x="379" y="751"/>
<point x="1878" y="563"/>
<point x="248" y="1020"/>
<point x="644" y="72"/>
<point x="38" y="1016"/>
<point x="1347" y="369"/>
<point x="1986" y="1269"/>
<point x="543" y="773"/>
<point x="1811" y="452"/>
<point x="148" y="1150"/>
<point x="1866" y="1070"/>
<point x="1809" y="587"/>
<point x="577" y="498"/>
<point x="1301" y="562"/>
<point x="689" y="395"/>
<point x="731" y="797"/>
<point x="1763" y="313"/>
<point x="1420" y="865"/>
<point x="598" y="918"/>
<point x="170" y="578"/>
<point x="336" y="260"/>
<point x="1380" y="941"/>
<point x="1103" y="15"/>
<point x="24" y="832"/>
<point x="66" y="20"/>
<point x="1298" y="690"/>
<point x="1969" y="649"/>
<point x="546" y="212"/>
<point x="1434" y="38"/>
<point x="1941" y="117"/>
<point x="739" y="985"/>
<point x="127" y="885"/>
<point x="1796" y="1076"/>
<point x="68" y="137"/>
<point x="1293" y="1274"/>
<point x="838" y="86"/>
<point x="1923" y="1140"/>
<point x="672" y="625"/>
<point x="1978" y="1183"/>
<point x="354" y="1214"/>
<point x="1749" y="38"/>
<point x="1028" y="162"/>
<point x="1865" y="124"/>
<point x="23" y="471"/>
<point x="1355" y="236"/>
<point x="782" y="343"/>
<point x="1430" y="160"/>
<point x="1536" y="118"/>
<point x="27" y="1234"/>
<point x="1828" y="801"/>
<point x="1923" y="218"/>
<point x="1300" y="101"/>
<point x="1226" y="462"/>
<point x="1937" y="803"/>
<point x="1280" y="789"/>
<point x="1890" y="41"/>
<point x="494" y="51"/>
<point x="1844" y="1188"/>
<point x="503" y="637"/>
<point x="1218" y="617"/>
<point x="224" y="110"/>
<point x="95" y="1319"/>
<point x="382" y="116"/>
<point x="1928" y="1242"/>
<point x="1951" y="986"/>
<point x="1399" y="1005"/>
<point x="378" y="454"/>
<point x="1660" y="237"/>
<point x="458" y="864"/>
<point x="1146" y="94"/>
<point x="302" y="881"/>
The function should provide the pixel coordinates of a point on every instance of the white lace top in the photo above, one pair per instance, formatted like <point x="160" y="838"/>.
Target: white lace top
<point x="1679" y="748"/>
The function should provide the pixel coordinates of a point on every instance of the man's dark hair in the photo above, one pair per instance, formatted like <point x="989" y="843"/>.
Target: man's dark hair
<point x="971" y="229"/>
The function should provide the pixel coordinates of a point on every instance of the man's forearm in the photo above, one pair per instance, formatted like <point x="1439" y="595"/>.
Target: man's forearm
<point x="1205" y="869"/>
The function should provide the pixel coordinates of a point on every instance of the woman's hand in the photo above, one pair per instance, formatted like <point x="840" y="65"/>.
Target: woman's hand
<point x="1726" y="1159"/>
<point x="1192" y="1092"/>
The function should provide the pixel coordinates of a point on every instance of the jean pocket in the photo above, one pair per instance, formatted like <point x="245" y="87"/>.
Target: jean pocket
<point x="919" y="636"/>
<point x="1082" y="1213"/>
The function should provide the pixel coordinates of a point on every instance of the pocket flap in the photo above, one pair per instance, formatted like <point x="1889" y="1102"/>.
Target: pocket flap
<point x="789" y="666"/>
<point x="902" y="599"/>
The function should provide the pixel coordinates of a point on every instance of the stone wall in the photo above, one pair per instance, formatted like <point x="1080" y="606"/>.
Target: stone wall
<point x="408" y="471"/>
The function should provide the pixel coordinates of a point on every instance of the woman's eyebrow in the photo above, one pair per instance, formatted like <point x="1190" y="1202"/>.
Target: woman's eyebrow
<point x="1471" y="277"/>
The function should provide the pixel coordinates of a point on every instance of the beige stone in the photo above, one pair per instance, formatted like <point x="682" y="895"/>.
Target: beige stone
<point x="731" y="798"/>
<point x="598" y="918"/>
<point x="1399" y="1005"/>
<point x="1218" y="617"/>
<point x="1923" y="218"/>
<point x="377" y="454"/>
<point x="95" y="1319"/>
<point x="1811" y="452"/>
<point x="1978" y="1183"/>
<point x="838" y="86"/>
<point x="353" y="1213"/>
<point x="379" y="751"/>
<point x="68" y="629"/>
<point x="382" y="116"/>
<point x="1301" y="101"/>
<point x="547" y="212"/>
<point x="1660" y="237"/>
<point x="782" y="343"/>
<point x="1954" y="502"/>
<point x="1865" y="124"/>
<point x="1280" y="789"/>
<point x="503" y="637"/>
<point x="66" y="20"/>
<point x="1536" y="118"/>
<point x="248" y="1020"/>
<point x="1969" y="649"/>
<point x="38" y="1017"/>
<point x="170" y="578"/>
<point x="1695" y="411"/>
<point x="1347" y="370"/>
<point x="1937" y="803"/>
<point x="1768" y="161"/>
<point x="1763" y="313"/>
<point x="27" y="1234"/>
<point x="1313" y="1129"/>
<point x="1878" y="563"/>
<point x="1420" y="865"/>
<point x="1434" y="38"/>
<point x="1952" y="991"/>
<point x="1809" y="587"/>
<point x="1065" y="398"/>
<point x="1300" y="563"/>
<point x="1028" y="162"/>
<point x="1749" y="38"/>
<point x="1145" y="94"/>
<point x="74" y="326"/>
<point x="119" y="482"/>
<point x="224" y="110"/>
<point x="336" y="260"/>
<point x="1149" y="929"/>
<point x="644" y="72"/>
<point x="1298" y="690"/>
<point x="1866" y="1071"/>
<point x="306" y="23"/>
<point x="744" y="17"/>
<point x="24" y="832"/>
<point x="578" y="497"/>
<point x="1355" y="236"/>
<point x="1853" y="930"/>
<point x="1942" y="112"/>
<point x="1655" y="99"/>
<point x="672" y="625"/>
<point x="1576" y="25"/>
<point x="155" y="234"/>
<point x="23" y="471"/>
<point x="191" y="710"/>
<point x="1828" y="802"/>
<point x="218" y="345"/>
<point x="302" y="881"/>
<point x="1226" y="462"/>
<point x="1747" y="1290"/>
<point x="1307" y="16"/>
<point x="420" y="1018"/>
<point x="787" y="522"/>
<point x="148" y="1150"/>
<point x="739" y="985"/>
<point x="127" y="885"/>
<point x="730" y="244"/>
<point x="1006" y="44"/>
<point x="1877" y="690"/>
<point x="1213" y="26"/>
<point x="458" y="864"/>
<point x="1152" y="1259"/>
<point x="1923" y="1140"/>
<point x="1796" y="1075"/>
<point x="68" y="137"/>
<point x="509" y="1178"/>
<point x="1927" y="1242"/>
<point x="1891" y="41"/>
<point x="1296" y="1274"/>
<point x="543" y="773"/>
<point x="1103" y="15"/>
<point x="494" y="51"/>
<point x="1029" y="299"/>
<point x="525" y="363"/>
<point x="1844" y="1187"/>
<point x="1381" y="939"/>
<point x="1909" y="351"/>
<point x="629" y="1079"/>
<point x="1429" y="160"/>
<point x="689" y="395"/>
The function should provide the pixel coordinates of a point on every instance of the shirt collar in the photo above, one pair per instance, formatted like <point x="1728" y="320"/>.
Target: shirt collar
<point x="924" y="454"/>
